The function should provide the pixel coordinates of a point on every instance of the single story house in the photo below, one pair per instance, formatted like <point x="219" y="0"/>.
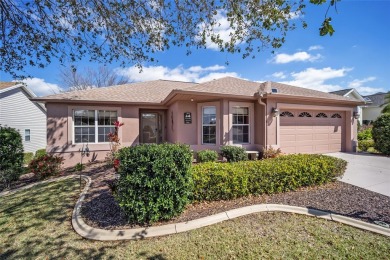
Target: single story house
<point x="226" y="111"/>
<point x="373" y="109"/>
<point x="19" y="112"/>
<point x="353" y="93"/>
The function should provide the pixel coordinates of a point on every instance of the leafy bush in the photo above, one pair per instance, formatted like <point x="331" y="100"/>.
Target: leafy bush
<point x="234" y="153"/>
<point x="11" y="155"/>
<point x="79" y="167"/>
<point x="365" y="133"/>
<point x="155" y="181"/>
<point x="207" y="156"/>
<point x="365" y="144"/>
<point x="46" y="165"/>
<point x="381" y="134"/>
<point x="220" y="181"/>
<point x="40" y="153"/>
<point x="271" y="153"/>
<point x="27" y="157"/>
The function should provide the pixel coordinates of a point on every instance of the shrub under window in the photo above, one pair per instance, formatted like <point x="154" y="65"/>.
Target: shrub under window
<point x="234" y="153"/>
<point x="155" y="181"/>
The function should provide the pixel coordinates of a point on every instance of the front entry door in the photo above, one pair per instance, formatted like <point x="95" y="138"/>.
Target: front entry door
<point x="151" y="128"/>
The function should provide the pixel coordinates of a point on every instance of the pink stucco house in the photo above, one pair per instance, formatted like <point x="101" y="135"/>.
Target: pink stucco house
<point x="226" y="111"/>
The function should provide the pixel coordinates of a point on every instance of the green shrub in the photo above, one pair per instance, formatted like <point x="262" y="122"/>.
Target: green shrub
<point x="365" y="134"/>
<point x="220" y="181"/>
<point x="234" y="153"/>
<point x="46" y="165"/>
<point x="381" y="134"/>
<point x="40" y="152"/>
<point x="365" y="144"/>
<point x="27" y="157"/>
<point x="11" y="155"/>
<point x="207" y="156"/>
<point x="155" y="181"/>
<point x="79" y="167"/>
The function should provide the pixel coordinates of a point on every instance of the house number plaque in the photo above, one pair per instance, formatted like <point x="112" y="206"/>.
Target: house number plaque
<point x="187" y="118"/>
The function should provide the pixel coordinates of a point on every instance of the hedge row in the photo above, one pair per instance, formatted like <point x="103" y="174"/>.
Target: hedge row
<point x="219" y="181"/>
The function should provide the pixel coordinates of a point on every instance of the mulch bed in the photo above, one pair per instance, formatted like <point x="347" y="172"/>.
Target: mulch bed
<point x="100" y="209"/>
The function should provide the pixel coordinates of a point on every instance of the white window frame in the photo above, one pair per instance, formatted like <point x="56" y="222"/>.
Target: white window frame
<point x="96" y="125"/>
<point x="249" y="124"/>
<point x="215" y="125"/>
<point x="29" y="135"/>
<point x="251" y="107"/>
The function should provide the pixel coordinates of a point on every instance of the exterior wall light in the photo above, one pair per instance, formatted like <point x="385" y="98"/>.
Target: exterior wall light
<point x="356" y="115"/>
<point x="275" y="112"/>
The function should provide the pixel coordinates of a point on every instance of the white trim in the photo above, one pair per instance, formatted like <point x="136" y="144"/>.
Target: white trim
<point x="251" y="137"/>
<point x="200" y="122"/>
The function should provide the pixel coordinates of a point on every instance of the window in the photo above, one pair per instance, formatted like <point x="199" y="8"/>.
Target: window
<point x="240" y="125"/>
<point x="304" y="114"/>
<point x="336" y="115"/>
<point x="286" y="114"/>
<point x="209" y="125"/>
<point x="89" y="122"/>
<point x="323" y="115"/>
<point x="27" y="135"/>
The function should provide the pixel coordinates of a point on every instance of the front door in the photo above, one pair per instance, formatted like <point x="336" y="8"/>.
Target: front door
<point x="151" y="128"/>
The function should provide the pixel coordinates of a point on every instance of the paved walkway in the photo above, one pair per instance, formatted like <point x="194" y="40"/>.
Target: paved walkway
<point x="371" y="172"/>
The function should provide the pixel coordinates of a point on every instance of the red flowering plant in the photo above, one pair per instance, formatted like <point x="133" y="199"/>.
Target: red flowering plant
<point x="46" y="166"/>
<point x="113" y="137"/>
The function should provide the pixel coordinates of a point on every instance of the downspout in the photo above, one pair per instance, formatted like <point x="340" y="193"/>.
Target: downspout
<point x="265" y="119"/>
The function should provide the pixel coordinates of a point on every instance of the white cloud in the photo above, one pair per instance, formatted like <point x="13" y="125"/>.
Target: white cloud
<point x="191" y="74"/>
<point x="40" y="87"/>
<point x="315" y="47"/>
<point x="283" y="58"/>
<point x="360" y="86"/>
<point x="316" y="78"/>
<point x="279" y="75"/>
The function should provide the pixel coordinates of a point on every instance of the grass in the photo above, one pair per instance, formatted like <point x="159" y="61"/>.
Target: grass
<point x="35" y="223"/>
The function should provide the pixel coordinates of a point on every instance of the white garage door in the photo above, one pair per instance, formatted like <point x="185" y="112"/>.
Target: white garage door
<point x="307" y="131"/>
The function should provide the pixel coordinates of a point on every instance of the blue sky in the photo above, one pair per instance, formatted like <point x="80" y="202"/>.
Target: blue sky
<point x="357" y="55"/>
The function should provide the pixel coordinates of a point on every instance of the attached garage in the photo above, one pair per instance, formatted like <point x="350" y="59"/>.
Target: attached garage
<point x="312" y="131"/>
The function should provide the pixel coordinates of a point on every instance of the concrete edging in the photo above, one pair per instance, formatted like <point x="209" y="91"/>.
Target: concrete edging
<point x="89" y="232"/>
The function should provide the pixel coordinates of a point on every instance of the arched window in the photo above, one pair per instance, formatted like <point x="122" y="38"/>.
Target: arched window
<point x="323" y="115"/>
<point x="286" y="114"/>
<point x="336" y="115"/>
<point x="304" y="114"/>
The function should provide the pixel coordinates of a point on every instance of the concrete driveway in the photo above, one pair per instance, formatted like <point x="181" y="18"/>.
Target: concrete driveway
<point x="367" y="171"/>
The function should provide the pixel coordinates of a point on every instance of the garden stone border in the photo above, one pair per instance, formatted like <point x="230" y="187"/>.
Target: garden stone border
<point x="89" y="232"/>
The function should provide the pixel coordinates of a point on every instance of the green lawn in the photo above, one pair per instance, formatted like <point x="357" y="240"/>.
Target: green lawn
<point x="36" y="224"/>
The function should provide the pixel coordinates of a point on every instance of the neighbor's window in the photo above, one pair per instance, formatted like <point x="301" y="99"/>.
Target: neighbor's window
<point x="89" y="122"/>
<point x="209" y="125"/>
<point x="240" y="125"/>
<point x="27" y="135"/>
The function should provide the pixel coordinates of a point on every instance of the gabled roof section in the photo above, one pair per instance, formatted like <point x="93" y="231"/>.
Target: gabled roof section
<point x="284" y="89"/>
<point x="342" y="92"/>
<point x="377" y="99"/>
<point x="5" y="85"/>
<point x="348" y="92"/>
<point x="141" y="92"/>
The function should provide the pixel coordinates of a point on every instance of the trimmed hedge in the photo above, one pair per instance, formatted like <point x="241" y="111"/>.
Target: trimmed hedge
<point x="155" y="181"/>
<point x="365" y="134"/>
<point x="222" y="181"/>
<point x="207" y="156"/>
<point x="381" y="134"/>
<point x="234" y="153"/>
<point x="40" y="153"/>
<point x="365" y="144"/>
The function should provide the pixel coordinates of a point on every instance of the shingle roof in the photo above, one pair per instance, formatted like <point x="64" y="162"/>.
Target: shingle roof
<point x="142" y="92"/>
<point x="305" y="92"/>
<point x="341" y="92"/>
<point x="377" y="99"/>
<point x="156" y="91"/>
<point x="4" y="85"/>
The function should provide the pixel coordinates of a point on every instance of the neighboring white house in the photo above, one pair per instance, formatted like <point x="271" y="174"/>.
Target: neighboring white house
<point x="19" y="112"/>
<point x="374" y="107"/>
<point x="352" y="93"/>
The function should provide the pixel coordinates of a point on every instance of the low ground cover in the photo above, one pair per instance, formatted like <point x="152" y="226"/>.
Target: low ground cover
<point x="35" y="223"/>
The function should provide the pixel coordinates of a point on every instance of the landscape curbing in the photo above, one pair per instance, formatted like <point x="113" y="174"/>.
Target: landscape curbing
<point x="89" y="232"/>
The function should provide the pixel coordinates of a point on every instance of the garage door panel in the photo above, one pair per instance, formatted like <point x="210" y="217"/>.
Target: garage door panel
<point x="311" y="135"/>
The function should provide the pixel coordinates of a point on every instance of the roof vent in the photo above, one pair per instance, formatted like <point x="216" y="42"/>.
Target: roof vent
<point x="274" y="90"/>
